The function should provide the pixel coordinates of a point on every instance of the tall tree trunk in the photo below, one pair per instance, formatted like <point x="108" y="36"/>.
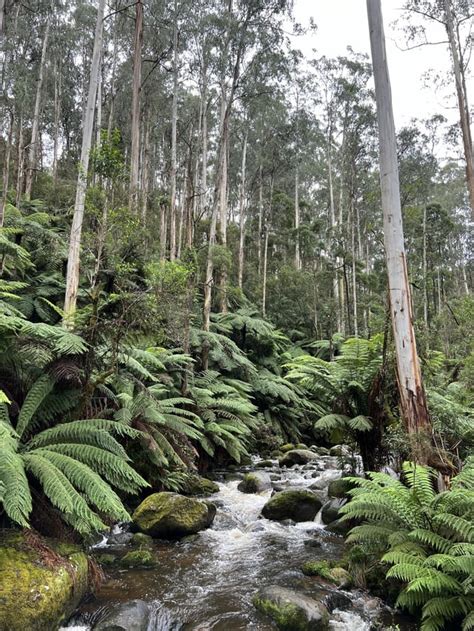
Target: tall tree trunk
<point x="265" y="251"/>
<point x="33" y="148"/>
<point x="73" y="263"/>
<point x="136" y="91"/>
<point x="146" y="170"/>
<point x="20" y="161"/>
<point x="425" y="271"/>
<point x="412" y="395"/>
<point x="57" y="119"/>
<point x="112" y="81"/>
<point x="332" y="225"/>
<point x="297" y="219"/>
<point x="464" y="114"/>
<point x="174" y="119"/>
<point x="260" y="220"/>
<point x="6" y="170"/>
<point x="242" y="212"/>
<point x="222" y="193"/>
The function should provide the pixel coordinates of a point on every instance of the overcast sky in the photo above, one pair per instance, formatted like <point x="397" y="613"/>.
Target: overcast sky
<point x="343" y="23"/>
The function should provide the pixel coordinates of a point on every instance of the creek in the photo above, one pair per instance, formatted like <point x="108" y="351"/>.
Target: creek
<point x="206" y="582"/>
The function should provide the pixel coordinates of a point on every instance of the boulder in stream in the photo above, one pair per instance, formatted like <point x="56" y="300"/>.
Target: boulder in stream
<point x="129" y="616"/>
<point x="292" y="611"/>
<point x="297" y="456"/>
<point x="336" y="575"/>
<point x="170" y="515"/>
<point x="41" y="581"/>
<point x="324" y="480"/>
<point x="296" y="504"/>
<point x="255" y="482"/>
<point x="197" y="485"/>
<point x="330" y="510"/>
<point x="340" y="487"/>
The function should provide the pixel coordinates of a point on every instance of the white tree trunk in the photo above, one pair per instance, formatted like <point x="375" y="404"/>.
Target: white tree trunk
<point x="136" y="92"/>
<point x="174" y="118"/>
<point x="412" y="396"/>
<point x="33" y="148"/>
<point x="297" y="219"/>
<point x="73" y="263"/>
<point x="242" y="212"/>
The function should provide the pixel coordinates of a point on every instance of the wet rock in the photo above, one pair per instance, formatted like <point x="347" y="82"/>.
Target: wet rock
<point x="297" y="504"/>
<point x="119" y="538"/>
<point x="337" y="600"/>
<point x="197" y="485"/>
<point x="278" y="486"/>
<point x="297" y="456"/>
<point x="131" y="616"/>
<point x="336" y="575"/>
<point x="292" y="611"/>
<point x="340" y="487"/>
<point x="255" y="482"/>
<point x="287" y="447"/>
<point x="274" y="477"/>
<point x="301" y="446"/>
<point x="169" y="515"/>
<point x="40" y="585"/>
<point x="138" y="558"/>
<point x="340" y="527"/>
<point x="321" y="451"/>
<point x="263" y="464"/>
<point x="330" y="510"/>
<point x="323" y="481"/>
<point x="140" y="540"/>
<point x="312" y="543"/>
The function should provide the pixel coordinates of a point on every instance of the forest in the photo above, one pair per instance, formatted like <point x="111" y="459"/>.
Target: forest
<point x="236" y="321"/>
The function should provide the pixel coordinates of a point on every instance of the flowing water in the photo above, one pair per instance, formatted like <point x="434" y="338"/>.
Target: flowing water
<point x="207" y="582"/>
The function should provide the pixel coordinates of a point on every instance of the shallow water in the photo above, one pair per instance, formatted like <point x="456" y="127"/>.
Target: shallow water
<point x="207" y="583"/>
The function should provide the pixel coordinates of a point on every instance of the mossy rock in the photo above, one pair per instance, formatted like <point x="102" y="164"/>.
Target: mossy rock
<point x="301" y="446"/>
<point x="297" y="504"/>
<point x="287" y="447"/>
<point x="197" y="485"/>
<point x="138" y="558"/>
<point x="255" y="482"/>
<point x="140" y="540"/>
<point x="170" y="515"/>
<point x="264" y="464"/>
<point x="292" y="611"/>
<point x="297" y="456"/>
<point x="335" y="575"/>
<point x="331" y="510"/>
<point x="340" y="487"/>
<point x="39" y="587"/>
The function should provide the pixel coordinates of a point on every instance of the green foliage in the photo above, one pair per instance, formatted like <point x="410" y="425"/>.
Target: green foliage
<point x="427" y="538"/>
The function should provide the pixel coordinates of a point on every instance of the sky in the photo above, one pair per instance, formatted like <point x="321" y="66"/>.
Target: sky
<point x="343" y="23"/>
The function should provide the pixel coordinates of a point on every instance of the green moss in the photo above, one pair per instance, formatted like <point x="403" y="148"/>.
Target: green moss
<point x="38" y="591"/>
<point x="197" y="485"/>
<point x="336" y="575"/>
<point x="287" y="447"/>
<point x="138" y="558"/>
<point x="264" y="463"/>
<point x="297" y="504"/>
<point x="301" y="446"/>
<point x="106" y="559"/>
<point x="172" y="515"/>
<point x="288" y="617"/>
<point x="140" y="540"/>
<point x="340" y="487"/>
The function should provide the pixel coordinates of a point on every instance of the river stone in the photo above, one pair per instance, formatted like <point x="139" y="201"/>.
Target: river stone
<point x="338" y="600"/>
<point x="340" y="487"/>
<point x="140" y="540"/>
<point x="40" y="586"/>
<point x="130" y="616"/>
<point x="323" y="482"/>
<point x="336" y="575"/>
<point x="287" y="447"/>
<point x="170" y="515"/>
<point x="138" y="558"/>
<point x="290" y="610"/>
<point x="255" y="482"/>
<point x="340" y="526"/>
<point x="330" y="510"/>
<point x="297" y="456"/>
<point x="197" y="485"/>
<point x="296" y="504"/>
<point x="264" y="464"/>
